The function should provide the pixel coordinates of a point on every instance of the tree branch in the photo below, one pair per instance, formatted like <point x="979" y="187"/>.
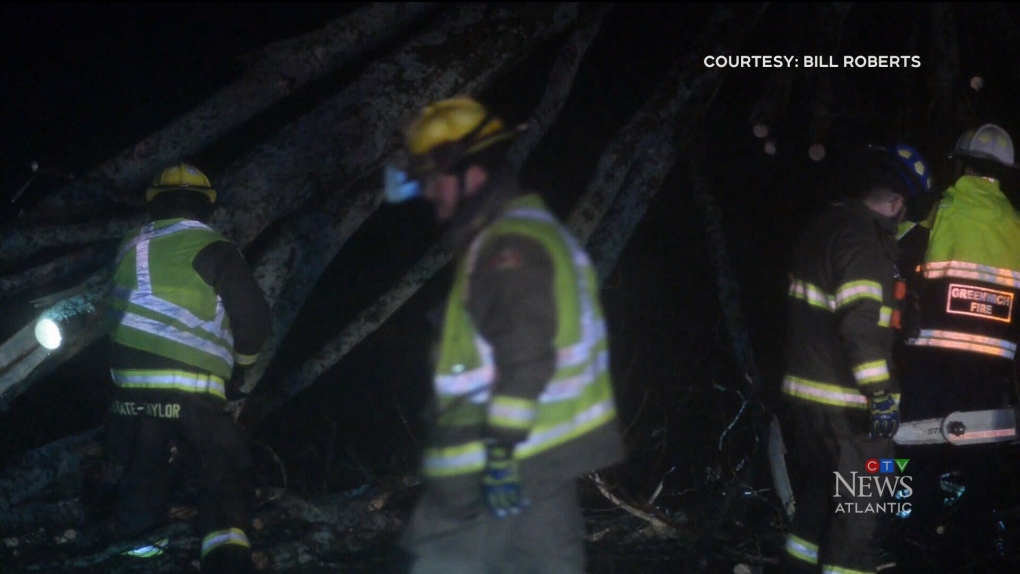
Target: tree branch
<point x="26" y="361"/>
<point x="41" y="467"/>
<point x="87" y="257"/>
<point x="273" y="73"/>
<point x="17" y="245"/>
<point x="318" y="240"/>
<point x="340" y="141"/>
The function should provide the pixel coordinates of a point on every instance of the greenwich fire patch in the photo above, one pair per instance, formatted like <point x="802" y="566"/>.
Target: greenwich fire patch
<point x="980" y="302"/>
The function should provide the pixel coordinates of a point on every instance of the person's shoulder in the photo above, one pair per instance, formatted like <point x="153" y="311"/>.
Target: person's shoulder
<point x="839" y="215"/>
<point x="222" y="245"/>
<point x="211" y="233"/>
<point x="841" y="223"/>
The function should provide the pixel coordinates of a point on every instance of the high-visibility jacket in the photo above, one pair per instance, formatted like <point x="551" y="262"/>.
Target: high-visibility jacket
<point x="572" y="425"/>
<point x="160" y="305"/>
<point x="912" y="239"/>
<point x="841" y="309"/>
<point x="971" y="272"/>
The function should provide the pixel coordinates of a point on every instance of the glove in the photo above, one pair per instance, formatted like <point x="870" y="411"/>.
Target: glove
<point x="885" y="415"/>
<point x="236" y="395"/>
<point x="501" y="482"/>
<point x="234" y="407"/>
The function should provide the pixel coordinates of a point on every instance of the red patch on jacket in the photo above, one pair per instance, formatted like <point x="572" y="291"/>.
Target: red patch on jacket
<point x="505" y="259"/>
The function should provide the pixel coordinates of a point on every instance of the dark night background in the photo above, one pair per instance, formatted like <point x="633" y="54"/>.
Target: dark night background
<point x="83" y="81"/>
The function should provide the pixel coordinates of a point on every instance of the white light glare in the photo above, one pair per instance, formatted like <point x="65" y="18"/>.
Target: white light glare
<point x="47" y="332"/>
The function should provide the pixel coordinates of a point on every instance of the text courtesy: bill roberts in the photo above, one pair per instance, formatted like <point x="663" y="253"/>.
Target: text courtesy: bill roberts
<point x="811" y="61"/>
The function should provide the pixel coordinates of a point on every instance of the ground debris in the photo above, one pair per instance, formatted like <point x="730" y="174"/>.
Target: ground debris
<point x="287" y="531"/>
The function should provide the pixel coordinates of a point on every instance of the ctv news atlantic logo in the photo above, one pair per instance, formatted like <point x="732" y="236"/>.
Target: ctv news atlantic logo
<point x="880" y="488"/>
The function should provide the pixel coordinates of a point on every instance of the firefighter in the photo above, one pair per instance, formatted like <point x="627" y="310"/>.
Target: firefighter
<point x="971" y="273"/>
<point x="961" y="354"/>
<point x="524" y="400"/>
<point x="184" y="311"/>
<point x="840" y="389"/>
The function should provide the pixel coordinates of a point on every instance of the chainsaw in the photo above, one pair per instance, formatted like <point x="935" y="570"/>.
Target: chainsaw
<point x="961" y="428"/>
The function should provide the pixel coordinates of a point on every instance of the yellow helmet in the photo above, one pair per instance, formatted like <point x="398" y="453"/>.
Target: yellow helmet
<point x="181" y="177"/>
<point x="449" y="130"/>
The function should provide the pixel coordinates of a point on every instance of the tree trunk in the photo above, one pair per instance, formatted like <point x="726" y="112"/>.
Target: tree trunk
<point x="385" y="95"/>
<point x="272" y="74"/>
<point x="561" y="79"/>
<point x="283" y="173"/>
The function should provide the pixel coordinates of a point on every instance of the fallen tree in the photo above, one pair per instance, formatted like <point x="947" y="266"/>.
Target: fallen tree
<point x="294" y="200"/>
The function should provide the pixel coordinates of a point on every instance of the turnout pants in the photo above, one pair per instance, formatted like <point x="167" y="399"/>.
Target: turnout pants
<point x="833" y="530"/>
<point x="451" y="532"/>
<point x="142" y="429"/>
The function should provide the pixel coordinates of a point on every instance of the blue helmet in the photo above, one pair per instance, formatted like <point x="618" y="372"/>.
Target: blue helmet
<point x="913" y="174"/>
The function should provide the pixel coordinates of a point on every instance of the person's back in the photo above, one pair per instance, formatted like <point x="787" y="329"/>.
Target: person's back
<point x="183" y="310"/>
<point x="967" y="288"/>
<point x="960" y="354"/>
<point x="155" y="283"/>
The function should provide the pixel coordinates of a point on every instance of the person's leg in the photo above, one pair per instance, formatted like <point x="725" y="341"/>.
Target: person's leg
<point x="449" y="529"/>
<point x="811" y="459"/>
<point x="144" y="487"/>
<point x="547" y="538"/>
<point x="852" y="540"/>
<point x="226" y="490"/>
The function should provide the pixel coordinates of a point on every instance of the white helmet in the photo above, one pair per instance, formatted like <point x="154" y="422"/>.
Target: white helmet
<point x="988" y="142"/>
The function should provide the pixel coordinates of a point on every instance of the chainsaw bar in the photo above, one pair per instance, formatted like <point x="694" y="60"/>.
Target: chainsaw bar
<point x="961" y="428"/>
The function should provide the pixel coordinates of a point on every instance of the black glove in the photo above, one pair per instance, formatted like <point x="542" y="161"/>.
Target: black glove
<point x="501" y="482"/>
<point x="236" y="395"/>
<point x="234" y="386"/>
<point x="885" y="415"/>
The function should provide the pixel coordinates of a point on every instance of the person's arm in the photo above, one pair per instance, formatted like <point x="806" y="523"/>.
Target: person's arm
<point x="512" y="304"/>
<point x="863" y="280"/>
<point x="222" y="266"/>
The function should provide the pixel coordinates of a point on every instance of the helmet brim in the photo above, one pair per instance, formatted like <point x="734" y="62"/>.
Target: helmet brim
<point x="152" y="192"/>
<point x="980" y="155"/>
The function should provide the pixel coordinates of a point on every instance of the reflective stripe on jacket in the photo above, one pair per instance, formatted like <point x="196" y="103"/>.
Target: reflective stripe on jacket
<point x="226" y="537"/>
<point x="840" y="306"/>
<point x="577" y="402"/>
<point x="162" y="306"/>
<point x="971" y="272"/>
